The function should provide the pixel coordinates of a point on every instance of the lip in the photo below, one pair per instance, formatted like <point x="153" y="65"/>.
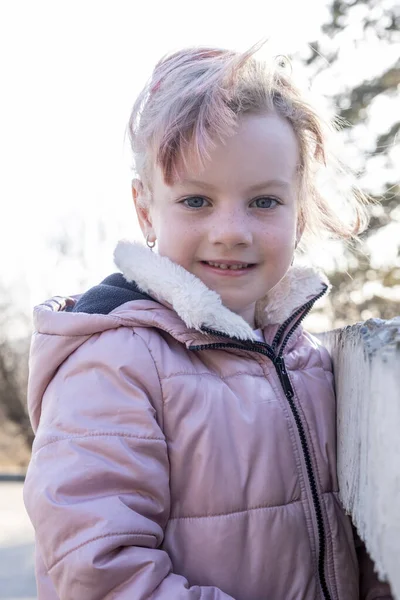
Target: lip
<point x="229" y="262"/>
<point x="228" y="272"/>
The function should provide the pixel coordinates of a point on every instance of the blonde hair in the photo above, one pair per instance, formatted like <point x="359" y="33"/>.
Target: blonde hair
<point x="194" y="99"/>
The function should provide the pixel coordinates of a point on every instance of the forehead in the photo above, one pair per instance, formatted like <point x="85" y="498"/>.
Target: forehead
<point x="263" y="147"/>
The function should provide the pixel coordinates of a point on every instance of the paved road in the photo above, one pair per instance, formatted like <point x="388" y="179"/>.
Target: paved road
<point x="17" y="580"/>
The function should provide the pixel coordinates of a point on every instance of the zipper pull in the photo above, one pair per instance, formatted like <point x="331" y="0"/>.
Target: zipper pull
<point x="284" y="377"/>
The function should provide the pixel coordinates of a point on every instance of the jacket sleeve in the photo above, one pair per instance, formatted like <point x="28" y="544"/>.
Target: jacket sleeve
<point x="370" y="586"/>
<point x="97" y="488"/>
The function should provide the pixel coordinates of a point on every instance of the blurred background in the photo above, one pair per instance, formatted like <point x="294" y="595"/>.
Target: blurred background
<point x="69" y="75"/>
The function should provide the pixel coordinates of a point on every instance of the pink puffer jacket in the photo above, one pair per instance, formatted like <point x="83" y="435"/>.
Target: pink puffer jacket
<point x="177" y="458"/>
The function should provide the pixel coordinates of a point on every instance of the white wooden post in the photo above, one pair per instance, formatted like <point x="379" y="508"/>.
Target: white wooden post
<point x="366" y="359"/>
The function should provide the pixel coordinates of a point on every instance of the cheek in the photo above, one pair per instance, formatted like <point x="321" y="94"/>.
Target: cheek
<point x="281" y="237"/>
<point x="176" y="241"/>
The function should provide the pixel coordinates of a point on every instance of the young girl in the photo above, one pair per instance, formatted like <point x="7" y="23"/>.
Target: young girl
<point x="185" y="422"/>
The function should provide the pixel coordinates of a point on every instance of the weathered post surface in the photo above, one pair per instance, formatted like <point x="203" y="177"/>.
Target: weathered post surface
<point x="366" y="360"/>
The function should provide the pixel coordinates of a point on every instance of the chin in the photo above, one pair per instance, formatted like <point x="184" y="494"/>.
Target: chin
<point x="237" y="307"/>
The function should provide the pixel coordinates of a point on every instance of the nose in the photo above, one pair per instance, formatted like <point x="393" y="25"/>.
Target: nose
<point x="230" y="229"/>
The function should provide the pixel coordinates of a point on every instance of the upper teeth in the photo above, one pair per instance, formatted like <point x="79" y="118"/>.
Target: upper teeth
<point x="223" y="266"/>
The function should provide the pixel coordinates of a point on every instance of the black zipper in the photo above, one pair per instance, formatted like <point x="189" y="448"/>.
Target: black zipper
<point x="249" y="344"/>
<point x="280" y="367"/>
<point x="303" y="311"/>
<point x="289" y="393"/>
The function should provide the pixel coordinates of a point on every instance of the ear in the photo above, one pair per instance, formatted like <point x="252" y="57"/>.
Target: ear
<point x="142" y="206"/>
<point x="300" y="227"/>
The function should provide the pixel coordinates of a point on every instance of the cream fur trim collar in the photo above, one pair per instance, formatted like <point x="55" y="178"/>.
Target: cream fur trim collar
<point x="198" y="306"/>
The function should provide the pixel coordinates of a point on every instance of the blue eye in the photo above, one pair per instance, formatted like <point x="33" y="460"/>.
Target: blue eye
<point x="195" y="202"/>
<point x="265" y="202"/>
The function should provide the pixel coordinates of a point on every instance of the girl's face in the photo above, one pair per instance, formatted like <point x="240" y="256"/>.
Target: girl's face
<point x="233" y="224"/>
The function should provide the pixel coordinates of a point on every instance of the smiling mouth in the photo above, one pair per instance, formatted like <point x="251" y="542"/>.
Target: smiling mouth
<point x="228" y="265"/>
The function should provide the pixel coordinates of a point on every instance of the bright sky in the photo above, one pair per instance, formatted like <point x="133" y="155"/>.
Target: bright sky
<point x="69" y="74"/>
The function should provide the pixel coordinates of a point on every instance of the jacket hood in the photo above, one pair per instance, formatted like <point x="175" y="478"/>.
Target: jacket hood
<point x="143" y="295"/>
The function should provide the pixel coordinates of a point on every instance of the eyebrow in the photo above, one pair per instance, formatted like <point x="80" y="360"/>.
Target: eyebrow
<point x="258" y="186"/>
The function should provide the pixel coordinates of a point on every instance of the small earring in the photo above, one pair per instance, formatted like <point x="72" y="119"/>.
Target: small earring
<point x="150" y="244"/>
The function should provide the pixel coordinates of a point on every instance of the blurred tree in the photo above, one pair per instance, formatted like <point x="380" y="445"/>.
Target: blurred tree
<point x="367" y="103"/>
<point x="16" y="435"/>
